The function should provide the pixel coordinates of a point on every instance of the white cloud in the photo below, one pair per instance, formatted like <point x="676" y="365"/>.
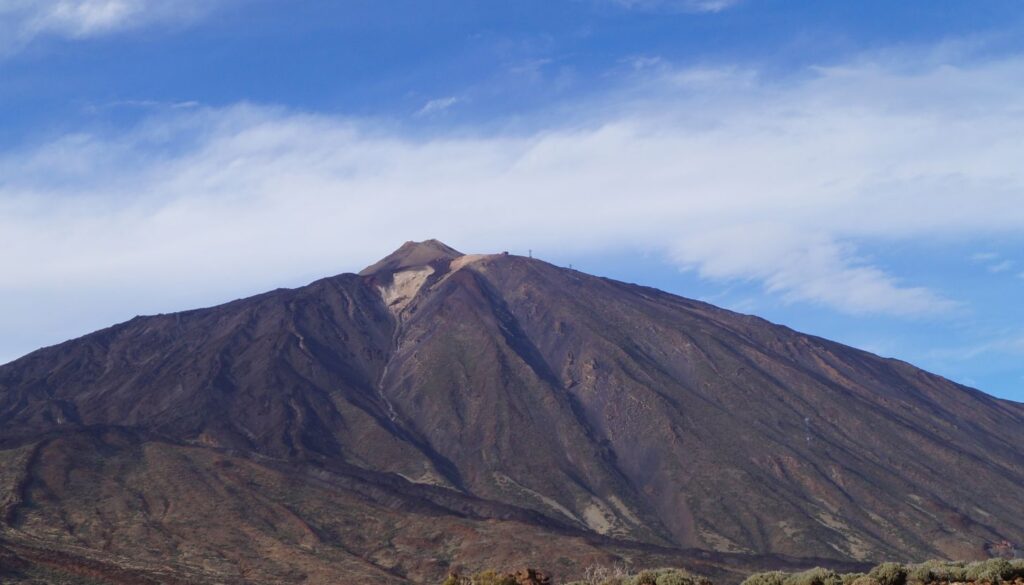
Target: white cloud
<point x="995" y="265"/>
<point x="22" y="21"/>
<point x="1001" y="266"/>
<point x="679" y="5"/>
<point x="646" y="63"/>
<point x="1012" y="345"/>
<point x="802" y="266"/>
<point x="729" y="175"/>
<point x="152" y="104"/>
<point x="436" y="106"/>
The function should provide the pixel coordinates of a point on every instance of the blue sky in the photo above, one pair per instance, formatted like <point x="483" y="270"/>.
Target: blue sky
<point x="851" y="169"/>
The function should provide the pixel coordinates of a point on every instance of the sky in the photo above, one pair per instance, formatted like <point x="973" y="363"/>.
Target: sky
<point x="853" y="170"/>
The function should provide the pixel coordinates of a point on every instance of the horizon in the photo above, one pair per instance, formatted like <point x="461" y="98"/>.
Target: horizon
<point x="849" y="171"/>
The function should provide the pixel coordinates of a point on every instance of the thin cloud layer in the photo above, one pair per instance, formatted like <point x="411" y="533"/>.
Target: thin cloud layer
<point x="679" y="5"/>
<point x="22" y="21"/>
<point x="1012" y="345"/>
<point x="437" y="105"/>
<point x="727" y="175"/>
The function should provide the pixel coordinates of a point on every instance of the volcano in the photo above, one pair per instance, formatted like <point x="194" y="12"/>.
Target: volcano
<point x="443" y="411"/>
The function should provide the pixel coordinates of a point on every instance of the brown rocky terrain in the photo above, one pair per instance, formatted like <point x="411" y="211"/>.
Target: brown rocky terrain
<point x="440" y="411"/>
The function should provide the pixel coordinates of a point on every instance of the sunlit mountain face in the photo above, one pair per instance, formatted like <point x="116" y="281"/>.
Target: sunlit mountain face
<point x="440" y="409"/>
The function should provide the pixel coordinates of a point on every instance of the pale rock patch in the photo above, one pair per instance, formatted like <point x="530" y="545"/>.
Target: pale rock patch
<point x="403" y="288"/>
<point x="507" y="483"/>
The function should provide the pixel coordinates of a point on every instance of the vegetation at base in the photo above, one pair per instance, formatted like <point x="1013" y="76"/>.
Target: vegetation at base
<point x="992" y="571"/>
<point x="482" y="578"/>
<point x="592" y="576"/>
<point x="599" y="576"/>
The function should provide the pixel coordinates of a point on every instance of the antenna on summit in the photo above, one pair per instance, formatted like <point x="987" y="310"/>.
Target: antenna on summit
<point x="530" y="252"/>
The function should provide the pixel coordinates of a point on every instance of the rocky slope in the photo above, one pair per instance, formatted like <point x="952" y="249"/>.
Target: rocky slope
<point x="441" y="410"/>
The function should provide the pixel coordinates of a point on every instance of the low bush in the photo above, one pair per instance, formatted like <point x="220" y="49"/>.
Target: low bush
<point x="1018" y="568"/>
<point x="996" y="571"/>
<point x="483" y="578"/>
<point x="889" y="574"/>
<point x="922" y="573"/>
<point x="674" y="577"/>
<point x="990" y="571"/>
<point x="618" y="576"/>
<point x="936" y="572"/>
<point x="815" y="576"/>
<point x="767" y="578"/>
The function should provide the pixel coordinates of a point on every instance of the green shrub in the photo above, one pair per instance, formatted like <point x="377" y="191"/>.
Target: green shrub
<point x="767" y="578"/>
<point x="666" y="577"/>
<point x="482" y="578"/>
<point x="996" y="571"/>
<point x="1017" y="568"/>
<point x="644" y="578"/>
<point x="936" y="572"/>
<point x="619" y="576"/>
<point x="950" y="572"/>
<point x="889" y="574"/>
<point x="493" y="578"/>
<point x="975" y="570"/>
<point x="815" y="576"/>
<point x="922" y="573"/>
<point x="677" y="577"/>
<point x="990" y="571"/>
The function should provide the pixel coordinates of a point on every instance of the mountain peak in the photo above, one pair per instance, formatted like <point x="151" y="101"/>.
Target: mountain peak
<point x="505" y="403"/>
<point x="412" y="254"/>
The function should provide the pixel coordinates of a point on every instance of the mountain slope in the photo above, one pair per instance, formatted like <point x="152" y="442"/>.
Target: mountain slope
<point x="496" y="388"/>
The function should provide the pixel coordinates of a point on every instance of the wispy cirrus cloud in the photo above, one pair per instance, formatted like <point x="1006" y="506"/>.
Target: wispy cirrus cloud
<point x="152" y="104"/>
<point x="1011" y="345"/>
<point x="437" y="105"/>
<point x="727" y="174"/>
<point x="679" y="5"/>
<point x="23" y="21"/>
<point x="1003" y="266"/>
<point x="993" y="262"/>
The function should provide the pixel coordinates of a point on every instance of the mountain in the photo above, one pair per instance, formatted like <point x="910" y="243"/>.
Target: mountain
<point x="441" y="410"/>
